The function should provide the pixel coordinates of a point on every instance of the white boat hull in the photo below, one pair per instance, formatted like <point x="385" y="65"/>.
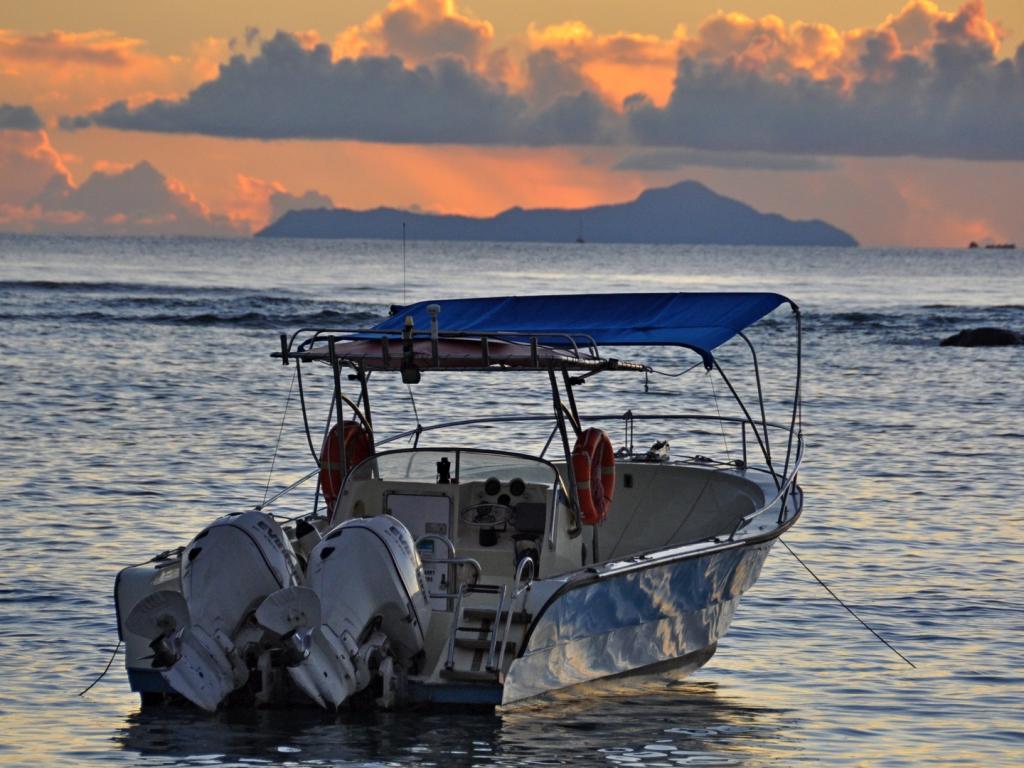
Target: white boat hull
<point x="636" y="621"/>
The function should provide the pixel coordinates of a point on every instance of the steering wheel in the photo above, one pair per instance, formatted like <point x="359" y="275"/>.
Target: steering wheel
<point x="487" y="514"/>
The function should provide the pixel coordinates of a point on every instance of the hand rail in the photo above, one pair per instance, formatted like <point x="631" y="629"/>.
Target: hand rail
<point x="494" y="628"/>
<point x="456" y="620"/>
<point x="450" y="560"/>
<point x="517" y="590"/>
<point x="790" y="482"/>
<point x="437" y="537"/>
<point x="591" y="417"/>
<point x="526" y="561"/>
<point x="457" y="561"/>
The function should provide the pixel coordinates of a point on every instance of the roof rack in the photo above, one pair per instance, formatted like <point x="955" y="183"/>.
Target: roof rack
<point x="375" y="349"/>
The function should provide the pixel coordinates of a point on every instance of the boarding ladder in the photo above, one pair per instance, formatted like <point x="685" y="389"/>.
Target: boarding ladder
<point x="487" y="621"/>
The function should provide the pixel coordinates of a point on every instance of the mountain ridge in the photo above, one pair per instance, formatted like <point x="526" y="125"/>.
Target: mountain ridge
<point x="685" y="213"/>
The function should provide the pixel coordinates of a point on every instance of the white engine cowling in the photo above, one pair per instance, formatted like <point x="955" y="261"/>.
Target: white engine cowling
<point x="368" y="568"/>
<point x="199" y="635"/>
<point x="373" y="605"/>
<point x="231" y="566"/>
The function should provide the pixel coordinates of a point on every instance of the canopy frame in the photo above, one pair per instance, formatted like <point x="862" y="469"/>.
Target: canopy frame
<point x="546" y="349"/>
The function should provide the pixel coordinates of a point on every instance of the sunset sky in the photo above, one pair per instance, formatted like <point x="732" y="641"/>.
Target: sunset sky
<point x="901" y="123"/>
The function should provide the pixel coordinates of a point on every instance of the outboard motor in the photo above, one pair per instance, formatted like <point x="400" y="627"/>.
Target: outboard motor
<point x="202" y="635"/>
<point x="362" y="616"/>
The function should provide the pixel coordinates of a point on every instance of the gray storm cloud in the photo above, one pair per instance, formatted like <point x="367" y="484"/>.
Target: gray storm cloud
<point x="288" y="91"/>
<point x="19" y="118"/>
<point x="924" y="83"/>
<point x="962" y="103"/>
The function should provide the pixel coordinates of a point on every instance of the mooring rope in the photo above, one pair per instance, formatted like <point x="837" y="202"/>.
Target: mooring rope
<point x="848" y="608"/>
<point x="105" y="669"/>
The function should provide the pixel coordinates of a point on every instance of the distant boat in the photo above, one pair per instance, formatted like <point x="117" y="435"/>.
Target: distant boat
<point x="579" y="235"/>
<point x="995" y="246"/>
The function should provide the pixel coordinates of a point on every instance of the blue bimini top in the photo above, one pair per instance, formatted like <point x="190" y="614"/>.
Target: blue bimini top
<point x="698" y="321"/>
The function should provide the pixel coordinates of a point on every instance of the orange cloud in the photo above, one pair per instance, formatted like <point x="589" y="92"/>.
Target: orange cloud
<point x="624" y="63"/>
<point x="569" y="56"/>
<point x="419" y="31"/>
<point x="38" y="194"/>
<point x="110" y="166"/>
<point x="71" y="71"/>
<point x="202" y="63"/>
<point x="257" y="202"/>
<point x="28" y="162"/>
<point x="61" y="50"/>
<point x="771" y="48"/>
<point x="618" y="65"/>
<point x="251" y="201"/>
<point x="767" y="45"/>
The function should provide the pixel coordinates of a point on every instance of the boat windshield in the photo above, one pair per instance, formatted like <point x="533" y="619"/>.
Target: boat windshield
<point x="444" y="466"/>
<point x="435" y="485"/>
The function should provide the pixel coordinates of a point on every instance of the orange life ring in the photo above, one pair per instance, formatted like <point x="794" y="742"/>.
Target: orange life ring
<point x="593" y="464"/>
<point x="358" y="447"/>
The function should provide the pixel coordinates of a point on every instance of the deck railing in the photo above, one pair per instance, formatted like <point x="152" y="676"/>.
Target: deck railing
<point x="785" y="485"/>
<point x="736" y="422"/>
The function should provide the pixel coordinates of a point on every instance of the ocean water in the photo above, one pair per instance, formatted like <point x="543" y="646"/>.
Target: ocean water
<point x="138" y="402"/>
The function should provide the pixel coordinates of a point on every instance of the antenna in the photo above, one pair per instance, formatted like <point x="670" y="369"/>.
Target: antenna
<point x="403" y="264"/>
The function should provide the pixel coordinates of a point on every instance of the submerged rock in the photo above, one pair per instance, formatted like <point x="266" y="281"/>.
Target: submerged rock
<point x="983" y="337"/>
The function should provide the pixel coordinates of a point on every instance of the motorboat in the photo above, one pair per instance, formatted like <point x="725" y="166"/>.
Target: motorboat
<point x="465" y="562"/>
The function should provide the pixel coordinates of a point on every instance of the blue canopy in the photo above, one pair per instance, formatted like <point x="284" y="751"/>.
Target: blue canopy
<point x="699" y="321"/>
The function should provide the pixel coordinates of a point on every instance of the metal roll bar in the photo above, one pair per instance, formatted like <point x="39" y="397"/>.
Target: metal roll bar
<point x="525" y="568"/>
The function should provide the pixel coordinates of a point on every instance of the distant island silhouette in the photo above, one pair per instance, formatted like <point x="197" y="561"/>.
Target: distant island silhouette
<point x="685" y="213"/>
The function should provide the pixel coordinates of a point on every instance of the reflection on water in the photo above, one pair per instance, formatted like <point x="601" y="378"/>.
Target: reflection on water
<point x="693" y="725"/>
